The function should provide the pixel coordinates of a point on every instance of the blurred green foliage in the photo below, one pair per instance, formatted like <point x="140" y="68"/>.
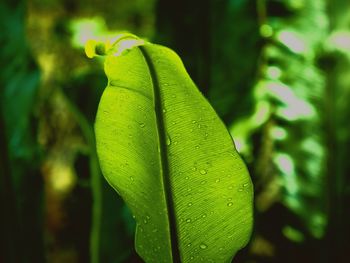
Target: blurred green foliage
<point x="21" y="186"/>
<point x="277" y="71"/>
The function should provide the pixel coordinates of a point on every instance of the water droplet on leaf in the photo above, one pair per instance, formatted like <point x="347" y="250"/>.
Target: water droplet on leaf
<point x="202" y="171"/>
<point x="168" y="141"/>
<point x="203" y="246"/>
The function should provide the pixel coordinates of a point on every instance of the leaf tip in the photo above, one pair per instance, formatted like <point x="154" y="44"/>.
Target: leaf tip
<point x="115" y="46"/>
<point x="95" y="48"/>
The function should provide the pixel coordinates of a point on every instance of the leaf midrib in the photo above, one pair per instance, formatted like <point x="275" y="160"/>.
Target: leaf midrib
<point x="163" y="157"/>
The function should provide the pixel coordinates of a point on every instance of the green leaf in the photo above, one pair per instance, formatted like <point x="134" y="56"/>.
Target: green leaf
<point x="166" y="152"/>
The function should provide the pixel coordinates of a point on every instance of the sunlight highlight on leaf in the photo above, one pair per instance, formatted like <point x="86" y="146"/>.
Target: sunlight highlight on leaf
<point x="114" y="46"/>
<point x="340" y="40"/>
<point x="278" y="133"/>
<point x="293" y="108"/>
<point x="286" y="165"/>
<point x="273" y="72"/>
<point x="291" y="40"/>
<point x="86" y="29"/>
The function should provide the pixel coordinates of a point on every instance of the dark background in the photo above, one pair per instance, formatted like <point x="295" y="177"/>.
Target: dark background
<point x="276" y="71"/>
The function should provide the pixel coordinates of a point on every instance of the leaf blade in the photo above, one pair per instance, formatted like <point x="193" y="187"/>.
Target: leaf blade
<point x="185" y="154"/>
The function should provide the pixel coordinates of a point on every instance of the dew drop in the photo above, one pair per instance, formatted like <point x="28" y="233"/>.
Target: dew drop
<point x="186" y="177"/>
<point x="240" y="190"/>
<point x="204" y="215"/>
<point x="142" y="125"/>
<point x="190" y="204"/>
<point x="168" y="141"/>
<point x="155" y="230"/>
<point x="193" y="121"/>
<point x="131" y="178"/>
<point x="245" y="185"/>
<point x="203" y="182"/>
<point x="203" y="246"/>
<point x="164" y="110"/>
<point x="230" y="204"/>
<point x="194" y="168"/>
<point x="175" y="143"/>
<point x="229" y="199"/>
<point x="217" y="180"/>
<point x="202" y="171"/>
<point x="188" y="220"/>
<point x="199" y="126"/>
<point x="221" y="248"/>
<point x="206" y="134"/>
<point x="197" y="147"/>
<point x="189" y="244"/>
<point x="191" y="258"/>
